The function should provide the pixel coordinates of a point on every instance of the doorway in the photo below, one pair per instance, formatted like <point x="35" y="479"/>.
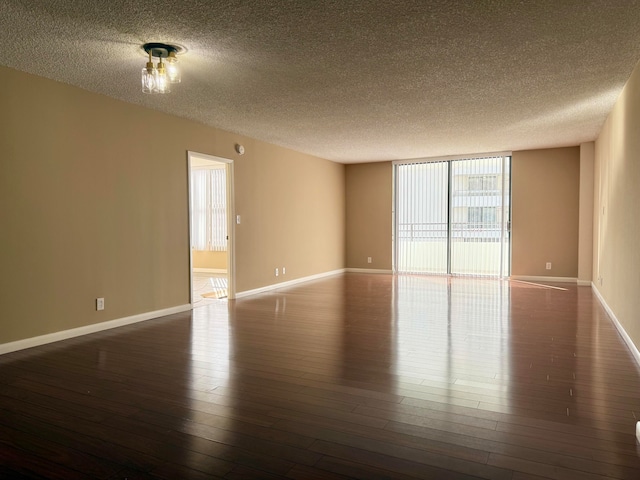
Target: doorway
<point x="453" y="216"/>
<point x="211" y="252"/>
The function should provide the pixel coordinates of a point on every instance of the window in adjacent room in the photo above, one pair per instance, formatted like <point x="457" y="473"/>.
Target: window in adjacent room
<point x="209" y="208"/>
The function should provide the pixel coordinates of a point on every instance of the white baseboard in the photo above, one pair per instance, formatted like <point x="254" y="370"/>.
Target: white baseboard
<point x="368" y="270"/>
<point x="623" y="333"/>
<point x="584" y="283"/>
<point x="289" y="283"/>
<point x="87" y="329"/>
<point x="209" y="270"/>
<point x="527" y="278"/>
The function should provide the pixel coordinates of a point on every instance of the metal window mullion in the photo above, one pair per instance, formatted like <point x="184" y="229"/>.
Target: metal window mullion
<point x="502" y="221"/>
<point x="394" y="220"/>
<point x="449" y="203"/>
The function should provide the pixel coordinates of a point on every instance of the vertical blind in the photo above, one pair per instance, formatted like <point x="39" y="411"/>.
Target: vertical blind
<point x="209" y="209"/>
<point x="452" y="217"/>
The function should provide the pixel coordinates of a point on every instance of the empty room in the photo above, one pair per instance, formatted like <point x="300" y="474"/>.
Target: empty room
<point x="319" y="239"/>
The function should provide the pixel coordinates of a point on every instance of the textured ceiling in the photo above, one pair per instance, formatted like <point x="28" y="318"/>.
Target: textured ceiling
<point x="350" y="80"/>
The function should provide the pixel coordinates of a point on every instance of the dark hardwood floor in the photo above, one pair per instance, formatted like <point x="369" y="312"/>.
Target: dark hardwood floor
<point x="353" y="376"/>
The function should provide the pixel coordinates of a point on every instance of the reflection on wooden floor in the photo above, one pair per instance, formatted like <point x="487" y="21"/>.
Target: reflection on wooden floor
<point x="353" y="376"/>
<point x="208" y="288"/>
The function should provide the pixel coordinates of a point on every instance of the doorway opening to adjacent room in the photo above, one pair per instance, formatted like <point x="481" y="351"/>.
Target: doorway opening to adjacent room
<point x="453" y="216"/>
<point x="211" y="229"/>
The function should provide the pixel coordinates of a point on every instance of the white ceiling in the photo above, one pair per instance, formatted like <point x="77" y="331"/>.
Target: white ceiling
<point x="349" y="80"/>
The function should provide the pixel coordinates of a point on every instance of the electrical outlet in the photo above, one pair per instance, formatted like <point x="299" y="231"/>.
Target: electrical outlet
<point x="284" y="270"/>
<point x="368" y="259"/>
<point x="548" y="266"/>
<point x="276" y="272"/>
<point x="99" y="303"/>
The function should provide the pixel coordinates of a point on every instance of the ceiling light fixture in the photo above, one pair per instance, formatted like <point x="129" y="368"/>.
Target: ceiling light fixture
<point x="158" y="78"/>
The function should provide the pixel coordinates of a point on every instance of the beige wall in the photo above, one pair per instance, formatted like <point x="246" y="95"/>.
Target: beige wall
<point x="207" y="259"/>
<point x="292" y="211"/>
<point x="369" y="223"/>
<point x="545" y="212"/>
<point x="616" y="261"/>
<point x="585" y="237"/>
<point x="93" y="202"/>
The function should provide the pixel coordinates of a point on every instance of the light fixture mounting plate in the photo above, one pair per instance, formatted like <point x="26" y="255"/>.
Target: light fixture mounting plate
<point x="162" y="50"/>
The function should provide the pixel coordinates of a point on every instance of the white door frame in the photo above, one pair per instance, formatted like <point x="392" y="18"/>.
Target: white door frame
<point x="231" y="258"/>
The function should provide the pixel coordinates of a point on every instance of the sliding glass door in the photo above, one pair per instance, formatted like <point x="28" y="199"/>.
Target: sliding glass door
<point x="452" y="216"/>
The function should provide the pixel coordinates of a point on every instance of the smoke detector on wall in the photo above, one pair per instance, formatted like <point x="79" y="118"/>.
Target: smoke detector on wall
<point x="239" y="149"/>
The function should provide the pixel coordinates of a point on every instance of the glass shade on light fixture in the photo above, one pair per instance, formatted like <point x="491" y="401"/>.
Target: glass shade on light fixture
<point x="173" y="72"/>
<point x="149" y="75"/>
<point x="162" y="80"/>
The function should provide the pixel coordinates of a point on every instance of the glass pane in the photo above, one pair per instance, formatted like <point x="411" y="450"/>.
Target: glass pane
<point x="476" y="239"/>
<point x="421" y="216"/>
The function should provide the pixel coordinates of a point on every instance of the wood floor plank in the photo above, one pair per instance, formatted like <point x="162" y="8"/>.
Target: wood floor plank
<point x="21" y="464"/>
<point x="373" y="471"/>
<point x="429" y="418"/>
<point x="496" y="441"/>
<point x="171" y="471"/>
<point x="406" y="467"/>
<point x="542" y="469"/>
<point x="303" y="472"/>
<point x="454" y="461"/>
<point x="43" y="448"/>
<point x="330" y="430"/>
<point x="412" y="416"/>
<point x="70" y="439"/>
<point x="270" y="444"/>
<point x="554" y="459"/>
